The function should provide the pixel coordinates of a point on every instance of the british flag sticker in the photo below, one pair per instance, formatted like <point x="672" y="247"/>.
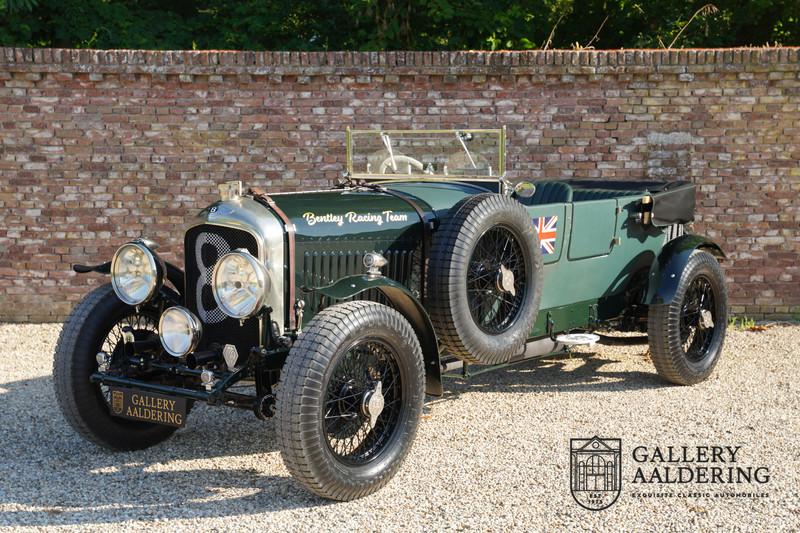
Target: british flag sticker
<point x="547" y="228"/>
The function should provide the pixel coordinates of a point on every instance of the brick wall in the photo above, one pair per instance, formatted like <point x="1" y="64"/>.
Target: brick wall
<point x="97" y="147"/>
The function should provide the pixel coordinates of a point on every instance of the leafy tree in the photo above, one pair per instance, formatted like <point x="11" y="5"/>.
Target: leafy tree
<point x="396" y="24"/>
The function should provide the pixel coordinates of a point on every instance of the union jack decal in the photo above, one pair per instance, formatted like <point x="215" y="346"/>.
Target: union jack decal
<point x="547" y="227"/>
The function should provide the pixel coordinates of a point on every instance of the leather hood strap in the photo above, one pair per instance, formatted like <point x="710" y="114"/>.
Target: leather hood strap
<point x="263" y="198"/>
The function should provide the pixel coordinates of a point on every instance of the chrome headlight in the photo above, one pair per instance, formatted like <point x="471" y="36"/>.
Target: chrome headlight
<point x="180" y="331"/>
<point x="136" y="272"/>
<point x="240" y="284"/>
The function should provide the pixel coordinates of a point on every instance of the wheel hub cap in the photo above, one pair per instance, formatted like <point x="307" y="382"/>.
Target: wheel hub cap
<point x="373" y="404"/>
<point x="706" y="319"/>
<point x="505" y="281"/>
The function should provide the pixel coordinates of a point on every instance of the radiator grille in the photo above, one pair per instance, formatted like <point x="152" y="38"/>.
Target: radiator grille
<point x="204" y="245"/>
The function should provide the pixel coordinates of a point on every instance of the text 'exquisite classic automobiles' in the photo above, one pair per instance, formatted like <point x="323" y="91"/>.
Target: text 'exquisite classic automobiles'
<point x="335" y="311"/>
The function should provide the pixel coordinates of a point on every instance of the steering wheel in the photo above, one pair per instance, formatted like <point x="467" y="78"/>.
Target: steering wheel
<point x="387" y="163"/>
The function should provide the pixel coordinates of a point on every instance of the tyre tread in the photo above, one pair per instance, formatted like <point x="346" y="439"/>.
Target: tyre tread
<point x="304" y="371"/>
<point x="663" y="325"/>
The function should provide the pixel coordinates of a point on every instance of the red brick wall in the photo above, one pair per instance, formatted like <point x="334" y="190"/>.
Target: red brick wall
<point x="97" y="147"/>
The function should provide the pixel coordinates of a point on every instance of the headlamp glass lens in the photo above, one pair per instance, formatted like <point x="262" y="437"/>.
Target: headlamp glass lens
<point x="240" y="284"/>
<point x="134" y="273"/>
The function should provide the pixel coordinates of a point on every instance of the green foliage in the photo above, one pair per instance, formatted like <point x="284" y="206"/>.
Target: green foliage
<point x="395" y="24"/>
<point x="17" y="5"/>
<point x="741" y="323"/>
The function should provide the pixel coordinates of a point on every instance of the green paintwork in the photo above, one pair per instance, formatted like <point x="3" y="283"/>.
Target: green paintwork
<point x="599" y="246"/>
<point x="348" y="215"/>
<point x="593" y="230"/>
<point x="578" y="283"/>
<point x="349" y="286"/>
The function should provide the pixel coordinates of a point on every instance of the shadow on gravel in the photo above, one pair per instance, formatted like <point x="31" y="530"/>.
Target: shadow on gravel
<point x="550" y="373"/>
<point x="208" y="469"/>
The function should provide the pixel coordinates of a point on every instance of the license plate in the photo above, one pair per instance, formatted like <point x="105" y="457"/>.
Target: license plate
<point x="148" y="407"/>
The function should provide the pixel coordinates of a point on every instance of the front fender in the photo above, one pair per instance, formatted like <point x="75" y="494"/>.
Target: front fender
<point x="406" y="304"/>
<point x="665" y="272"/>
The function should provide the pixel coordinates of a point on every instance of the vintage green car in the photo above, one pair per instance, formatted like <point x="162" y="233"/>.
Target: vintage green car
<point x="335" y="311"/>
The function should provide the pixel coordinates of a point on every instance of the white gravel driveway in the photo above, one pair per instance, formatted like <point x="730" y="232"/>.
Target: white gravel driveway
<point x="492" y="455"/>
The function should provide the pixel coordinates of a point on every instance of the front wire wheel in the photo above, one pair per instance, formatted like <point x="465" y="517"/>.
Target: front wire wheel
<point x="142" y="325"/>
<point x="350" y="398"/>
<point x="96" y="324"/>
<point x="366" y="375"/>
<point x="686" y="335"/>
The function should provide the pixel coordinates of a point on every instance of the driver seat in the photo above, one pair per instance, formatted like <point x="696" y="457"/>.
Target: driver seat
<point x="549" y="192"/>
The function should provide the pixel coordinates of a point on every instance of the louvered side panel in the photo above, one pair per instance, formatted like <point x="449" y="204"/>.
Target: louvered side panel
<point x="323" y="267"/>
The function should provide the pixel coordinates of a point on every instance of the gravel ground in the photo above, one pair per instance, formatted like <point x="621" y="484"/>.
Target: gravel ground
<point x="491" y="455"/>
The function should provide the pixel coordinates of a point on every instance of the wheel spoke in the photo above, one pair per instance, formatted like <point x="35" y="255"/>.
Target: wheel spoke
<point x="491" y="304"/>
<point x="696" y="337"/>
<point x="347" y="426"/>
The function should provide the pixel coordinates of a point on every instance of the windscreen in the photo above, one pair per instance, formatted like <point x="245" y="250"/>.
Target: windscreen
<point x="456" y="154"/>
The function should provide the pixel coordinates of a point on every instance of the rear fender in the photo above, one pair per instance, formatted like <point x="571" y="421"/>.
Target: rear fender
<point x="665" y="272"/>
<point x="406" y="304"/>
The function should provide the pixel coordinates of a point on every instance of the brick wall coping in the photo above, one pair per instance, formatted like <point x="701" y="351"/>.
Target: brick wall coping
<point x="265" y="62"/>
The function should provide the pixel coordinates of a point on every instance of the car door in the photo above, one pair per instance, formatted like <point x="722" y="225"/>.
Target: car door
<point x="594" y="227"/>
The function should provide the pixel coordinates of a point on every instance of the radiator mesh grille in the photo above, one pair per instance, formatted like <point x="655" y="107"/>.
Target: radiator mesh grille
<point x="204" y="245"/>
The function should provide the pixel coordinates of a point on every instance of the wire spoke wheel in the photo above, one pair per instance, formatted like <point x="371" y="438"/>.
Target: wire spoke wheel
<point x="350" y="430"/>
<point x="687" y="332"/>
<point x="349" y="400"/>
<point x="484" y="279"/>
<point x="698" y="319"/>
<point x="496" y="280"/>
<point x="97" y="324"/>
<point x="143" y="325"/>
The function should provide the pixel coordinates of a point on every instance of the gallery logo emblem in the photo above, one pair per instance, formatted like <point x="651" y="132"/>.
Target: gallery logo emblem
<point x="116" y="401"/>
<point x="595" y="471"/>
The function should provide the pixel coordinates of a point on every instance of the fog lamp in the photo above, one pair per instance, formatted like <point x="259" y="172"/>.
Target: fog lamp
<point x="180" y="331"/>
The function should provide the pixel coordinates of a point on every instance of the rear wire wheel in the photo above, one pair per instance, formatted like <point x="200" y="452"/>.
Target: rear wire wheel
<point x="686" y="335"/>
<point x="349" y="399"/>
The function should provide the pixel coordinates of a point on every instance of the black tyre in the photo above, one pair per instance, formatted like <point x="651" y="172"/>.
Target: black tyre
<point x="687" y="334"/>
<point x="480" y="312"/>
<point x="95" y="324"/>
<point x="349" y="400"/>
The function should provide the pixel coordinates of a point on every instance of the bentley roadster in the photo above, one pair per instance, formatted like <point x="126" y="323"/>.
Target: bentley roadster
<point x="336" y="311"/>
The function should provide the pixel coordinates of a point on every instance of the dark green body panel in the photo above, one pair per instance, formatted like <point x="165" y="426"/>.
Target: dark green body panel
<point x="334" y="229"/>
<point x="584" y="280"/>
<point x="599" y="246"/>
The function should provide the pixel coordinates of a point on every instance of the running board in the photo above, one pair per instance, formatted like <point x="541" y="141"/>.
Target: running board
<point x="532" y="350"/>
